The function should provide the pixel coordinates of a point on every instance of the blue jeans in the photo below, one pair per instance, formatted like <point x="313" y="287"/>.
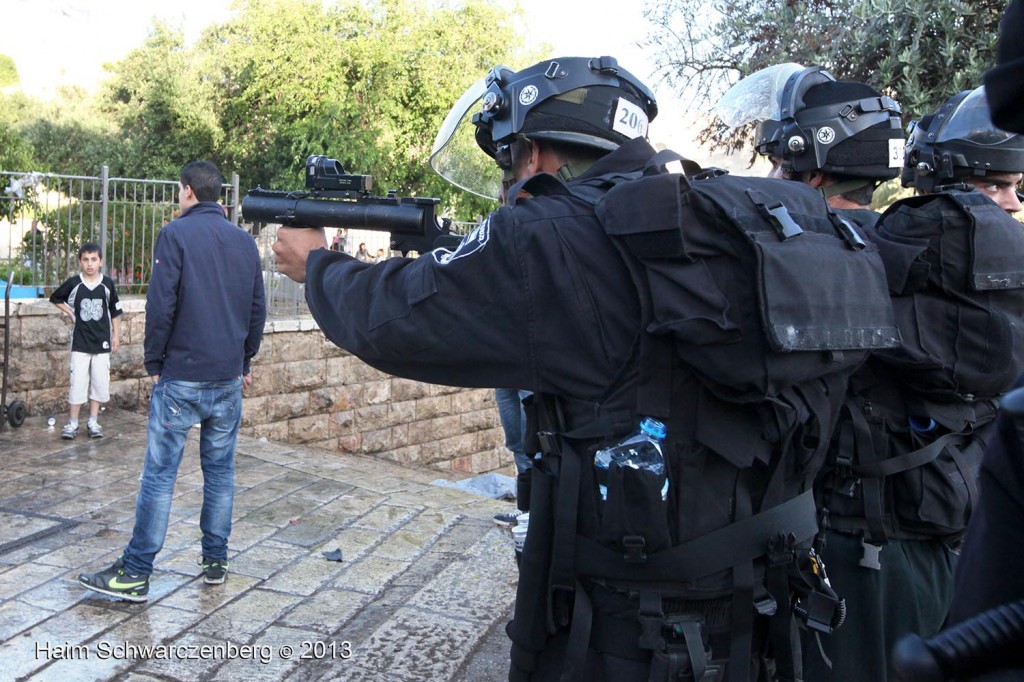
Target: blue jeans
<point x="173" y="409"/>
<point x="513" y="422"/>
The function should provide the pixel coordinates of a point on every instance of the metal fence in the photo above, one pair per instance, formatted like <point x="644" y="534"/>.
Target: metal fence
<point x="45" y="218"/>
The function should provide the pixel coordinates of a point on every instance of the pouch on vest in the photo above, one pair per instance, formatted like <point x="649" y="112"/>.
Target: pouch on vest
<point x="907" y="470"/>
<point x="757" y="282"/>
<point x="634" y="510"/>
<point x="936" y="499"/>
<point x="955" y="264"/>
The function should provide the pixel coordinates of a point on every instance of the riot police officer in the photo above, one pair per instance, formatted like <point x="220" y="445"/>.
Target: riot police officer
<point x="536" y="297"/>
<point x="845" y="138"/>
<point x="841" y="137"/>
<point x="541" y="296"/>
<point x="959" y="144"/>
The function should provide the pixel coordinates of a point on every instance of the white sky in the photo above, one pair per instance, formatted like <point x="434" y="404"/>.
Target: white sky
<point x="59" y="42"/>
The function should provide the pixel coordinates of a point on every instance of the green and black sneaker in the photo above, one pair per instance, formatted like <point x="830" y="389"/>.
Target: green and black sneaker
<point x="214" y="570"/>
<point x="115" y="582"/>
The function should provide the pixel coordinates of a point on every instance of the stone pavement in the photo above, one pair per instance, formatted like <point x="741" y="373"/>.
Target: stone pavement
<point x="425" y="586"/>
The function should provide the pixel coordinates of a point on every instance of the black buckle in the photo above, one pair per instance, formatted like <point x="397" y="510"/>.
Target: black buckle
<point x="560" y="606"/>
<point x="844" y="467"/>
<point x="781" y="549"/>
<point x="869" y="555"/>
<point x="766" y="606"/>
<point x="634" y="545"/>
<point x="548" y="442"/>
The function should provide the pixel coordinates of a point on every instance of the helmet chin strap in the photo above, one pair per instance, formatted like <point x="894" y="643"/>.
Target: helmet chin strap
<point x="570" y="171"/>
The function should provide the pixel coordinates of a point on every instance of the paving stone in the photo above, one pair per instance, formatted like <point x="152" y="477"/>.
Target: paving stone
<point x="280" y="511"/>
<point x="247" y="478"/>
<point x="12" y="485"/>
<point x="21" y="579"/>
<point x="309" y="529"/>
<point x="306" y="575"/>
<point x="432" y="521"/>
<point x="245" y="534"/>
<point x="326" y="610"/>
<point x="414" y="646"/>
<point x="17" y="616"/>
<point x="404" y="545"/>
<point x="370" y="574"/>
<point x="352" y="504"/>
<point x="40" y="499"/>
<point x="56" y="595"/>
<point x="271" y="656"/>
<point x="475" y="585"/>
<point x="426" y="576"/>
<point x="354" y="542"/>
<point x="323" y="491"/>
<point x="436" y="497"/>
<point x="123" y="647"/>
<point x="33" y="650"/>
<point x="265" y="561"/>
<point x="248" y="615"/>
<point x="182" y="664"/>
<point x="89" y="502"/>
<point x="198" y="597"/>
<point x="385" y="485"/>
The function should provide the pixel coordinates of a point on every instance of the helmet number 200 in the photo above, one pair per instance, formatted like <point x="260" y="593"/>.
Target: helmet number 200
<point x="630" y="120"/>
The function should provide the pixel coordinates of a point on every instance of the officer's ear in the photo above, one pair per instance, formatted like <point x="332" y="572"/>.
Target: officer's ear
<point x="543" y="159"/>
<point x="814" y="178"/>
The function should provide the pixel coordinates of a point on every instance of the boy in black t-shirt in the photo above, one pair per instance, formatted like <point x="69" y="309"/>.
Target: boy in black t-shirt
<point x="90" y="300"/>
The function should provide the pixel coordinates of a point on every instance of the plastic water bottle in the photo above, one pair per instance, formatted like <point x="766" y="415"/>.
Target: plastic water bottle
<point x="642" y="450"/>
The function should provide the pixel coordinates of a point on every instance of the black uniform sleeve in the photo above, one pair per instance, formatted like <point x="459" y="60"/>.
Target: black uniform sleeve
<point x="459" y="317"/>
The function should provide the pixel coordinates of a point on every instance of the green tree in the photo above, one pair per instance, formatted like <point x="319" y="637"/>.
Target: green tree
<point x="366" y="83"/>
<point x="8" y="71"/>
<point x="16" y="152"/>
<point x="71" y="136"/>
<point x="163" y="106"/>
<point x="918" y="51"/>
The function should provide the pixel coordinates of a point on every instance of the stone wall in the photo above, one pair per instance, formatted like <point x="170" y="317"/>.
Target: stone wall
<point x="305" y="390"/>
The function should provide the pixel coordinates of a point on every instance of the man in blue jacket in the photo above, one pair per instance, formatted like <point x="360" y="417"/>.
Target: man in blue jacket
<point x="204" y="322"/>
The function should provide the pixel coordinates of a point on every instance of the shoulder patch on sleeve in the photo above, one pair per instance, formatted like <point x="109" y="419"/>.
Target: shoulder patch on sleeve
<point x="472" y="243"/>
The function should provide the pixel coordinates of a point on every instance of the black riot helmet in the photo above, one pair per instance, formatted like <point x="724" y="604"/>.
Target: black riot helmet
<point x="957" y="142"/>
<point x="588" y="102"/>
<point x="811" y="121"/>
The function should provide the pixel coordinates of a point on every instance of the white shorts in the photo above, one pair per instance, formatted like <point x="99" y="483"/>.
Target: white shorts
<point x="90" y="378"/>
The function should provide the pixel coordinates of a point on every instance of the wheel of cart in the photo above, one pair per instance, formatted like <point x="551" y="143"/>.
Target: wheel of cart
<point x="13" y="413"/>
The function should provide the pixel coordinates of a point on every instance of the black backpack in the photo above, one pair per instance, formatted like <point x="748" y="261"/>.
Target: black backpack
<point x="920" y="415"/>
<point x="955" y="265"/>
<point x="758" y="283"/>
<point x="764" y="301"/>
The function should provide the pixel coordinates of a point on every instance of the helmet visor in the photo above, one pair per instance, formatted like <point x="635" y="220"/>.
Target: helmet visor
<point x="757" y="97"/>
<point x="972" y="121"/>
<point x="456" y="157"/>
